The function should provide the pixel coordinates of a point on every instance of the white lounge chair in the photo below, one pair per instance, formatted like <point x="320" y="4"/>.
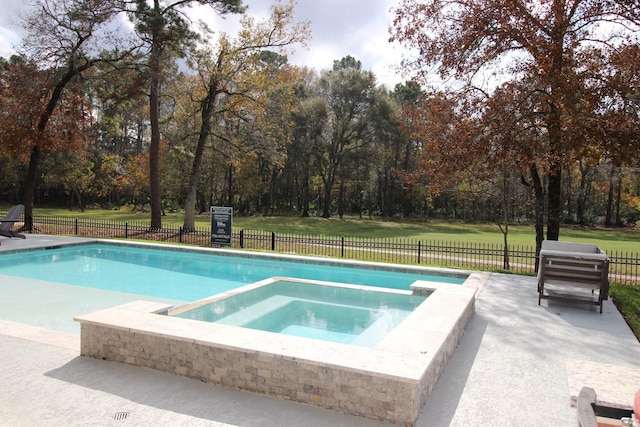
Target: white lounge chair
<point x="572" y="268"/>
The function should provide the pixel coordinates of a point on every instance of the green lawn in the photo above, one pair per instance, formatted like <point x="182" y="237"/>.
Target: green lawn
<point x="614" y="239"/>
<point x="627" y="299"/>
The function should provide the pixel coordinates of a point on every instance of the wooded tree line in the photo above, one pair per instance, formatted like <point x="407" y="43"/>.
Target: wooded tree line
<point x="159" y="113"/>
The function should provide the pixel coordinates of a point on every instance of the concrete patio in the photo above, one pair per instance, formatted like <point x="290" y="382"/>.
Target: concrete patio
<point x="517" y="364"/>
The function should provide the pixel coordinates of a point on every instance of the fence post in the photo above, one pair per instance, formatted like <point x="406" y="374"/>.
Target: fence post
<point x="241" y="239"/>
<point x="180" y="233"/>
<point x="342" y="247"/>
<point x="419" y="250"/>
<point x="76" y="226"/>
<point x="126" y="230"/>
<point x="273" y="240"/>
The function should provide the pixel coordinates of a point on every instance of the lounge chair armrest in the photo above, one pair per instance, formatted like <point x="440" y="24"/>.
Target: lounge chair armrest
<point x="585" y="403"/>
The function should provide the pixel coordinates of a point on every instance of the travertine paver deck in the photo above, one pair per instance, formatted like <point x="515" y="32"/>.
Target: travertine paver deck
<point x="615" y="385"/>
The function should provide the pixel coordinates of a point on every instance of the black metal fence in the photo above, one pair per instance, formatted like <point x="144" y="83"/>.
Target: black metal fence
<point x="624" y="266"/>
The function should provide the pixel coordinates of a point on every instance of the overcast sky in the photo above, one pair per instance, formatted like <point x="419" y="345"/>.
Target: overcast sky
<point x="339" y="28"/>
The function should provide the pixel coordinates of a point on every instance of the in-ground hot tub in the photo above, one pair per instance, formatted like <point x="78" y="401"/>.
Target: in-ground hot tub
<point x="346" y="314"/>
<point x="390" y="381"/>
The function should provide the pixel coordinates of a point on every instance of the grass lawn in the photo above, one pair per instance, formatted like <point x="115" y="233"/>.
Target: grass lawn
<point x="609" y="239"/>
<point x="627" y="299"/>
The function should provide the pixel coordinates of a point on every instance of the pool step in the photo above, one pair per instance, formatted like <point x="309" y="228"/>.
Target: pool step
<point x="376" y="331"/>
<point x="257" y="311"/>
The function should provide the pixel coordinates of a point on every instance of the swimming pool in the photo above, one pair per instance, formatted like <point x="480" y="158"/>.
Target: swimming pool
<point x="48" y="286"/>
<point x="344" y="314"/>
<point x="190" y="275"/>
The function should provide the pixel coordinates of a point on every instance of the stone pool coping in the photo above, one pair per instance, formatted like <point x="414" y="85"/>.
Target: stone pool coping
<point x="418" y="288"/>
<point x="390" y="382"/>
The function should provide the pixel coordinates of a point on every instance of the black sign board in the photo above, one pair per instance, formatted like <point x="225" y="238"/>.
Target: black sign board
<point x="221" y="218"/>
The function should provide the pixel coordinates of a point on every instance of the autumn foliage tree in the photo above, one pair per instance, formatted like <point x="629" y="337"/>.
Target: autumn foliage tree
<point x="618" y="75"/>
<point x="541" y="41"/>
<point x="33" y="124"/>
<point x="60" y="46"/>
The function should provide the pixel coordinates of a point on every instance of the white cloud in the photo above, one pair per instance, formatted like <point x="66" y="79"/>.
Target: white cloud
<point x="7" y="42"/>
<point x="339" y="28"/>
<point x="359" y="28"/>
<point x="9" y="37"/>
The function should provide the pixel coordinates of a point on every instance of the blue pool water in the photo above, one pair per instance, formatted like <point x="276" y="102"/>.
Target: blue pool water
<point x="331" y="313"/>
<point x="182" y="275"/>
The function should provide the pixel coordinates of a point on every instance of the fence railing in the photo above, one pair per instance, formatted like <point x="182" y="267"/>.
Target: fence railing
<point x="624" y="266"/>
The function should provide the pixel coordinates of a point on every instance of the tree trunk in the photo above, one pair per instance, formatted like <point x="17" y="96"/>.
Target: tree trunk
<point x="582" y="194"/>
<point x="326" y="204"/>
<point x="609" y="214"/>
<point x="230" y="194"/>
<point x="189" y="223"/>
<point x="305" y="193"/>
<point x="555" y="202"/>
<point x="202" y="197"/>
<point x="341" y="201"/>
<point x="538" y="191"/>
<point x="208" y="105"/>
<point x="154" y="148"/>
<point x="505" y="218"/>
<point x="387" y="194"/>
<point x="79" y="198"/>
<point x="30" y="187"/>
<point x="329" y="179"/>
<point x="273" y="203"/>
<point x="569" y="193"/>
<point x="618" y="195"/>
